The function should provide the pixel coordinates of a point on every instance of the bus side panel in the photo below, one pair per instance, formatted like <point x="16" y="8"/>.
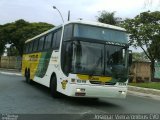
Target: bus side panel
<point x="34" y="62"/>
<point x="48" y="64"/>
<point x="25" y="62"/>
<point x="30" y="61"/>
<point x="43" y="64"/>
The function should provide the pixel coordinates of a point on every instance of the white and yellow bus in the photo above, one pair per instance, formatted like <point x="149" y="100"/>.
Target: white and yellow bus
<point x="79" y="59"/>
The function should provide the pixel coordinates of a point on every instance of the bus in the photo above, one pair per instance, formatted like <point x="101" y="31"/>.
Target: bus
<point x="79" y="59"/>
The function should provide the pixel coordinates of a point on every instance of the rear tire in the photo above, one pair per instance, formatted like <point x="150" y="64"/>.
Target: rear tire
<point x="53" y="87"/>
<point x="27" y="75"/>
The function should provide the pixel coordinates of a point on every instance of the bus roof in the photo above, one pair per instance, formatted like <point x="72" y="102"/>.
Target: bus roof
<point x="50" y="30"/>
<point x="97" y="24"/>
<point x="80" y="22"/>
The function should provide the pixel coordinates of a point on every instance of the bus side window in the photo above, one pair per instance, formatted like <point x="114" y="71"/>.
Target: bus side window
<point x="30" y="46"/>
<point x="57" y="39"/>
<point x="68" y="32"/>
<point x="41" y="43"/>
<point x="35" y="45"/>
<point x="48" y="41"/>
<point x="26" y="48"/>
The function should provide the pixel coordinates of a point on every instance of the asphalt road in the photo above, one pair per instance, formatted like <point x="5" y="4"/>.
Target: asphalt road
<point x="16" y="96"/>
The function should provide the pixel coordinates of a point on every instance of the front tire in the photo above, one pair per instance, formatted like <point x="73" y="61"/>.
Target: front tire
<point x="53" y="87"/>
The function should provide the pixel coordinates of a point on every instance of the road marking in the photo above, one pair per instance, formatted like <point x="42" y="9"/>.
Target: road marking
<point x="8" y="73"/>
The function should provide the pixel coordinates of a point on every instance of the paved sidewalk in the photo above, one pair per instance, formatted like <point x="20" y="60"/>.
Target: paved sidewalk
<point x="155" y="97"/>
<point x="10" y="71"/>
<point x="144" y="92"/>
<point x="6" y="69"/>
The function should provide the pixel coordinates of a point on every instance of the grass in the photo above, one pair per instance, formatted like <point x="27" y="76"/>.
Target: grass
<point x="153" y="85"/>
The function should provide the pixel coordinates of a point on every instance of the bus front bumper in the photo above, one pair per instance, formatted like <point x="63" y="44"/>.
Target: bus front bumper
<point x="76" y="90"/>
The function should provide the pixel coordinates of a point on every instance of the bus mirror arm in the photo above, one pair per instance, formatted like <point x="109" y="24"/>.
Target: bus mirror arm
<point x="130" y="58"/>
<point x="69" y="59"/>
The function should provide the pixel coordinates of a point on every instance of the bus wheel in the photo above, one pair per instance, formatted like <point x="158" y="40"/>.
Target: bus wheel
<point x="27" y="76"/>
<point x="53" y="87"/>
<point x="28" y="80"/>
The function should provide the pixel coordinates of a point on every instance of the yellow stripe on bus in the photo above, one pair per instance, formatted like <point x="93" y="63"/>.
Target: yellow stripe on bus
<point x="98" y="78"/>
<point x="31" y="61"/>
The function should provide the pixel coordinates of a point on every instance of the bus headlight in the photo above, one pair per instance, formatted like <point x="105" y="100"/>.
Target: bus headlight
<point x="122" y="92"/>
<point x="80" y="90"/>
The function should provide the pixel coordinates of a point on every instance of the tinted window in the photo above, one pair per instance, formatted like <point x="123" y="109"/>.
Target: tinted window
<point x="68" y="32"/>
<point x="56" y="39"/>
<point x="35" y="45"/>
<point x="48" y="41"/>
<point x="26" y="48"/>
<point x="100" y="33"/>
<point x="30" y="46"/>
<point x="41" y="43"/>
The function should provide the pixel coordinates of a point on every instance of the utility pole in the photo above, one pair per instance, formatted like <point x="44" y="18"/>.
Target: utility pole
<point x="69" y="15"/>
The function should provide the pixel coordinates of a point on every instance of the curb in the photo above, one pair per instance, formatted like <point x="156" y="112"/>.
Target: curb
<point x="8" y="73"/>
<point x="11" y="70"/>
<point x="145" y="95"/>
<point x="144" y="90"/>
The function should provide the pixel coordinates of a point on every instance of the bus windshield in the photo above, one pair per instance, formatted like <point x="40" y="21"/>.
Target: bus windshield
<point x="96" y="51"/>
<point x="86" y="57"/>
<point x="97" y="59"/>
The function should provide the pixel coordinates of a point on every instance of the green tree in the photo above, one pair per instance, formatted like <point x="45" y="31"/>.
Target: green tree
<point x="18" y="32"/>
<point x="108" y="18"/>
<point x="12" y="51"/>
<point x="144" y="32"/>
<point x="2" y="43"/>
<point x="2" y="47"/>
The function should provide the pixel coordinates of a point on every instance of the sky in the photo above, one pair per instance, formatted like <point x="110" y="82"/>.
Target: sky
<point x="42" y="10"/>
